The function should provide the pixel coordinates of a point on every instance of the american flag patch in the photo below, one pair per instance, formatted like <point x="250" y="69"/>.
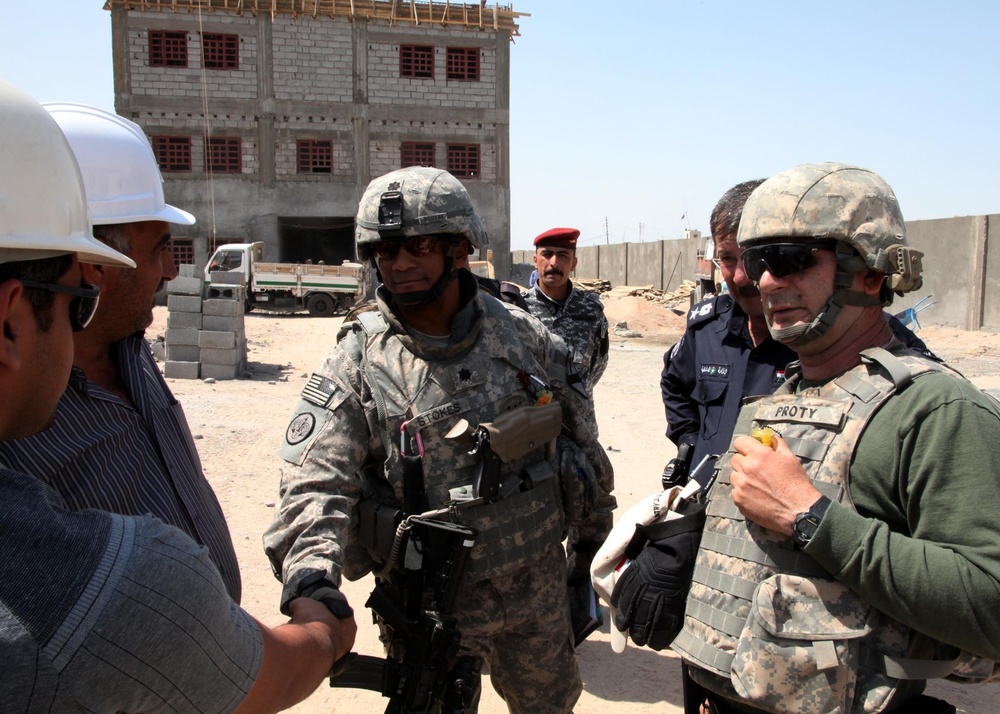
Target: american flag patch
<point x="319" y="390"/>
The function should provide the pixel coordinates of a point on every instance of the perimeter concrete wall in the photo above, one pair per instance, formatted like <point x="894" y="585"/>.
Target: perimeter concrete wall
<point x="961" y="272"/>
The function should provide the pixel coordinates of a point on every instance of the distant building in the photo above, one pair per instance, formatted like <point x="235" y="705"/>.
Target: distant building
<point x="269" y="117"/>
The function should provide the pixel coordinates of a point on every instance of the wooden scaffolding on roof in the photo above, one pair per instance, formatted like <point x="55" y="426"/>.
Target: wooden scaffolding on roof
<point x="478" y="16"/>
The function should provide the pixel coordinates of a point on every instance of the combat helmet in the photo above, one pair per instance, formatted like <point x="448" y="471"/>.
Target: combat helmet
<point x="417" y="201"/>
<point x="844" y="203"/>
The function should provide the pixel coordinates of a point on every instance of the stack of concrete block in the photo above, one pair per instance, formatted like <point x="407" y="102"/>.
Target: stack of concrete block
<point x="206" y="336"/>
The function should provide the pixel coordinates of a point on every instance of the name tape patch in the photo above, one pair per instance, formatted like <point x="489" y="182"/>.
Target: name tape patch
<point x="440" y="413"/>
<point x="715" y="370"/>
<point x="799" y="413"/>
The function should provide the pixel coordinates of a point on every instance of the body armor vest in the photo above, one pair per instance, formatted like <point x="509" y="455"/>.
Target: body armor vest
<point x="765" y="624"/>
<point x="416" y="401"/>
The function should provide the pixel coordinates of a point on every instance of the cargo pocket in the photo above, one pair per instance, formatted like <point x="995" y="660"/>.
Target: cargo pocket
<point x="800" y="646"/>
<point x="709" y="393"/>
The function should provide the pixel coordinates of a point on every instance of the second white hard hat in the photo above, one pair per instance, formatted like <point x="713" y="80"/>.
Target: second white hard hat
<point x="43" y="213"/>
<point x="120" y="172"/>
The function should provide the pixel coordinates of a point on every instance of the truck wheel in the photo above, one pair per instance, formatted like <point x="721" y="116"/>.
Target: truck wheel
<point x="321" y="305"/>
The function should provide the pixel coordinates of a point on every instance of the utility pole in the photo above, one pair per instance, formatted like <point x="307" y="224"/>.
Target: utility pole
<point x="607" y="238"/>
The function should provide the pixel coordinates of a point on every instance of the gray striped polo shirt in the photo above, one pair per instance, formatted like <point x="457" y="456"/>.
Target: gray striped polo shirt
<point x="101" y="452"/>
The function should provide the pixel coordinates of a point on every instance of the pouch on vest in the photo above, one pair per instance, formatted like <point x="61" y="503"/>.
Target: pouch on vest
<point x="520" y="431"/>
<point x="802" y="648"/>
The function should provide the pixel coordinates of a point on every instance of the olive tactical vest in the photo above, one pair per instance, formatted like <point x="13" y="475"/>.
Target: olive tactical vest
<point x="765" y="624"/>
<point x="417" y="401"/>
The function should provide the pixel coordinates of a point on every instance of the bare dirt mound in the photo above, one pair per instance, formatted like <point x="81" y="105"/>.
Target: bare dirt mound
<point x="655" y="323"/>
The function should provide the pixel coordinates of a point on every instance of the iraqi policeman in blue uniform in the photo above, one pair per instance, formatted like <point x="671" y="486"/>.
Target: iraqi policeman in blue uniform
<point x="726" y="353"/>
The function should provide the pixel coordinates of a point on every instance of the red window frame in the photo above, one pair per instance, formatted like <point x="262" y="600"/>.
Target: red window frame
<point x="173" y="153"/>
<point x="417" y="153"/>
<point x="223" y="155"/>
<point x="183" y="250"/>
<point x="168" y="48"/>
<point x="416" y="61"/>
<point x="463" y="160"/>
<point x="462" y="64"/>
<point x="315" y="156"/>
<point x="219" y="51"/>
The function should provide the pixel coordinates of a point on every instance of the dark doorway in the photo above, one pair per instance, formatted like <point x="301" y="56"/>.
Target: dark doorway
<point x="330" y="240"/>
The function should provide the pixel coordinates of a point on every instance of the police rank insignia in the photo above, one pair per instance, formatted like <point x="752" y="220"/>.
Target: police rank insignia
<point x="319" y="390"/>
<point x="300" y="428"/>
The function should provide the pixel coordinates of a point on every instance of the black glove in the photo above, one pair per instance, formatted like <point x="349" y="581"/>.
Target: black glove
<point x="649" y="596"/>
<point x="315" y="585"/>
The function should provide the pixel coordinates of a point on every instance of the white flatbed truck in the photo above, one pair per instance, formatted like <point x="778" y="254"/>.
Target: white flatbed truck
<point x="323" y="290"/>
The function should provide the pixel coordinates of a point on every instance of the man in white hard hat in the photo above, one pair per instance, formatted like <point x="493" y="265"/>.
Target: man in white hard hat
<point x="120" y="441"/>
<point x="101" y="612"/>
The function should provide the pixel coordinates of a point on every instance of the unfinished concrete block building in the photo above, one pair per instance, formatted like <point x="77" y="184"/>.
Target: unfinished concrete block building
<point x="269" y="117"/>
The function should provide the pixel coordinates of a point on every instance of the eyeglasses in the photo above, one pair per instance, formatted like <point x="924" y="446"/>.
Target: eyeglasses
<point x="416" y="246"/>
<point x="81" y="307"/>
<point x="781" y="259"/>
<point x="729" y="262"/>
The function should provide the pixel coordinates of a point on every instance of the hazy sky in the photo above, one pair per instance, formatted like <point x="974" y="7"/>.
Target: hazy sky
<point x="639" y="112"/>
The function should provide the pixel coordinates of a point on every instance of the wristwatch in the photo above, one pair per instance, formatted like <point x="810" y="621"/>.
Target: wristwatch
<point x="805" y="524"/>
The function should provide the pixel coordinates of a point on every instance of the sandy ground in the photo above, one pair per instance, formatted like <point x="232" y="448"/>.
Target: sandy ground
<point x="239" y="425"/>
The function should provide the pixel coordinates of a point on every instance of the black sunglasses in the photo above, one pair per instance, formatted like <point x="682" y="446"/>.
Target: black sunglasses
<point x="83" y="305"/>
<point x="781" y="259"/>
<point x="417" y="246"/>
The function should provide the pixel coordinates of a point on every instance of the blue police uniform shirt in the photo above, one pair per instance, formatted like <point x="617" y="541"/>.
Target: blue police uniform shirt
<point x="709" y="371"/>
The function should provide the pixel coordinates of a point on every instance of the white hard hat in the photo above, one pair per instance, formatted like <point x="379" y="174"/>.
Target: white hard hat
<point x="43" y="212"/>
<point x="119" y="169"/>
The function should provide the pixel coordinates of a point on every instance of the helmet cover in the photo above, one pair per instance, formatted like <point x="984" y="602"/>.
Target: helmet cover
<point x="416" y="201"/>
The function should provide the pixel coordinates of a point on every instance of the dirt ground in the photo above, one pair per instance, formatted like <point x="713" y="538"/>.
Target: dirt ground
<point x="239" y="425"/>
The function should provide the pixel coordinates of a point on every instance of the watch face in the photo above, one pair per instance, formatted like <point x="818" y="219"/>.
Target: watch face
<point x="804" y="527"/>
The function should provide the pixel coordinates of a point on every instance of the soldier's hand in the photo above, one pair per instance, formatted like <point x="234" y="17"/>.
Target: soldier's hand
<point x="770" y="487"/>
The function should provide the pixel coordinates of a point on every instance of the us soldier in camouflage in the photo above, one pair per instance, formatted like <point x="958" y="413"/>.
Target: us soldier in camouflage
<point x="577" y="316"/>
<point x="851" y="550"/>
<point x="435" y="351"/>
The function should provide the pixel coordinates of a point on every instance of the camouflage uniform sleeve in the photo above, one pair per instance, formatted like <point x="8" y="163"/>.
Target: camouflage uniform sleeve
<point x="599" y="360"/>
<point x="577" y="426"/>
<point x="326" y="444"/>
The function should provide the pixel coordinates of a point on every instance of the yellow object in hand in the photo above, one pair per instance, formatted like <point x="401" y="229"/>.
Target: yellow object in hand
<point x="764" y="436"/>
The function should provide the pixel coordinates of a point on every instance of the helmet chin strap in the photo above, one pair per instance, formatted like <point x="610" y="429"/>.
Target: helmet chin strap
<point x="848" y="263"/>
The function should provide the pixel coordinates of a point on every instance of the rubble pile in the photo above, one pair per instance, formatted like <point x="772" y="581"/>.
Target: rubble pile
<point x="677" y="299"/>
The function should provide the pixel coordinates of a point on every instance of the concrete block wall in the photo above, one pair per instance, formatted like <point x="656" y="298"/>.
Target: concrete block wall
<point x="961" y="273"/>
<point x="385" y="153"/>
<point x="206" y="335"/>
<point x="312" y="59"/>
<point x="187" y="81"/>
<point x="336" y="129"/>
<point x="385" y="86"/>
